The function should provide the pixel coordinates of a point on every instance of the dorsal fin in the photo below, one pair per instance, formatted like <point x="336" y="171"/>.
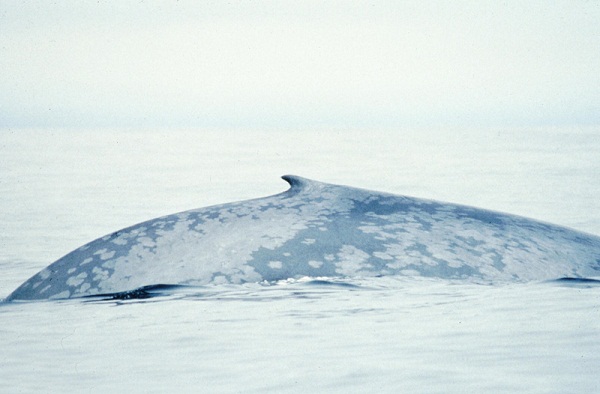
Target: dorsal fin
<point x="297" y="182"/>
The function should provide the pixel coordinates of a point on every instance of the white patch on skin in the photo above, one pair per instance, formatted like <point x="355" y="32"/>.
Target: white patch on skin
<point x="63" y="294"/>
<point x="71" y="270"/>
<point x="287" y="254"/>
<point x="309" y="241"/>
<point x="220" y="280"/>
<point x="146" y="242"/>
<point x="45" y="289"/>
<point x="329" y="257"/>
<point x="275" y="264"/>
<point x="75" y="281"/>
<point x="315" y="264"/>
<point x="410" y="273"/>
<point x="84" y="287"/>
<point x="382" y="256"/>
<point x="86" y="261"/>
<point x="108" y="255"/>
<point x="105" y="254"/>
<point x="120" y="241"/>
<point x="351" y="261"/>
<point x="100" y="274"/>
<point x="44" y="274"/>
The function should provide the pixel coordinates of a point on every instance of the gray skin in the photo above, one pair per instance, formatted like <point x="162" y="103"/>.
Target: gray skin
<point x="318" y="230"/>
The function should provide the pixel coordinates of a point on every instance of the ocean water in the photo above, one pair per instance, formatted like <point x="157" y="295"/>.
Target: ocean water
<point x="60" y="189"/>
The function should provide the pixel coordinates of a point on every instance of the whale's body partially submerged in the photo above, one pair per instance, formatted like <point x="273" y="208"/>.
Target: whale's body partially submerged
<point x="318" y="229"/>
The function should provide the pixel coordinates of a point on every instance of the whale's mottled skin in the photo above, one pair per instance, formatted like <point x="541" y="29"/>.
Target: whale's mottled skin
<point x="318" y="229"/>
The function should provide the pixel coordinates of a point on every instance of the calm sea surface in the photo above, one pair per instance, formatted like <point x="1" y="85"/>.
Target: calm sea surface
<point x="60" y="189"/>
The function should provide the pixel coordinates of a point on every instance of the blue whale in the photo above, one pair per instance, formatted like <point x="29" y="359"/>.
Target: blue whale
<point x="318" y="230"/>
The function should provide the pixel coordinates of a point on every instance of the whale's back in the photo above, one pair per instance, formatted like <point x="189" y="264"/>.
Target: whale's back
<point x="317" y="229"/>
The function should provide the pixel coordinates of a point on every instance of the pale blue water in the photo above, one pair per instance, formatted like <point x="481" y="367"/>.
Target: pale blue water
<point x="62" y="188"/>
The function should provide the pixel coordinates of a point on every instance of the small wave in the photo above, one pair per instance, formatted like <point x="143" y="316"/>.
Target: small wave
<point x="329" y="283"/>
<point x="577" y="282"/>
<point x="303" y="287"/>
<point x="315" y="281"/>
<point x="141" y="293"/>
<point x="300" y="287"/>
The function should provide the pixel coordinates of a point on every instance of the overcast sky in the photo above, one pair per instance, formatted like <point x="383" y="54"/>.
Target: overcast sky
<point x="299" y="63"/>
